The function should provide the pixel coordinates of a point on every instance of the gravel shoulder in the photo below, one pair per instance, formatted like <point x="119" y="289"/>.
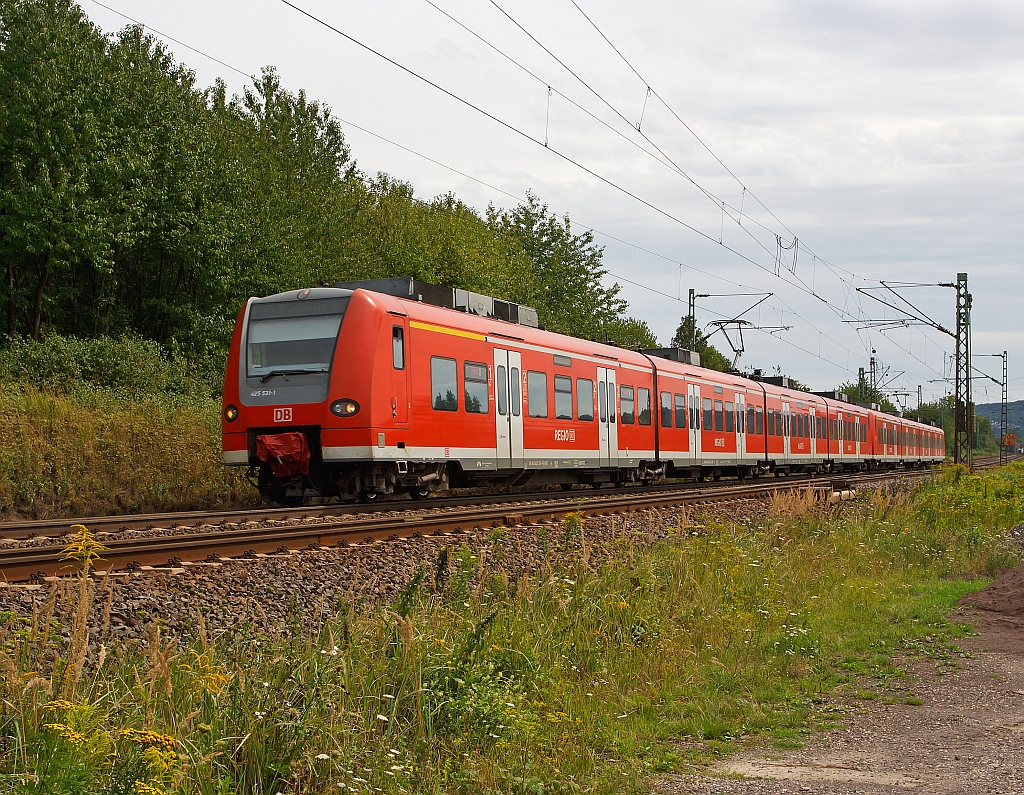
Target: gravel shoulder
<point x="964" y="737"/>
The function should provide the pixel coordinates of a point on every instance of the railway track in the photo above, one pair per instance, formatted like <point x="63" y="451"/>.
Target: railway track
<point x="218" y="536"/>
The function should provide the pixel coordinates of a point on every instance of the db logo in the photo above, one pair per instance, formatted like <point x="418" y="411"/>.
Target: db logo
<point x="282" y="415"/>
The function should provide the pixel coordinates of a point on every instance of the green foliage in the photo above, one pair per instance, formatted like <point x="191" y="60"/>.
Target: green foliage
<point x="130" y="366"/>
<point x="862" y="393"/>
<point x="578" y="678"/>
<point x="692" y="338"/>
<point x="98" y="451"/>
<point x="134" y="203"/>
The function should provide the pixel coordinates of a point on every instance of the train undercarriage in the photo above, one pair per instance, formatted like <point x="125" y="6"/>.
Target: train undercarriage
<point x="371" y="482"/>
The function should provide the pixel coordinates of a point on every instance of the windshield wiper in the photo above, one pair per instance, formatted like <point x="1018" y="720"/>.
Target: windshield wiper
<point x="272" y="373"/>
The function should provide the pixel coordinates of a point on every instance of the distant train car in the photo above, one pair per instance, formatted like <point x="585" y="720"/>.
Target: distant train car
<point x="394" y="386"/>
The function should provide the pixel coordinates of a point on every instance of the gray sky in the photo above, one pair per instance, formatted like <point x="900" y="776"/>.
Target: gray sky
<point x="886" y="136"/>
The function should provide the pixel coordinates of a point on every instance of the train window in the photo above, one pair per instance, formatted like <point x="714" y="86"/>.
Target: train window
<point x="643" y="406"/>
<point x="293" y="335"/>
<point x="771" y="422"/>
<point x="730" y="418"/>
<point x="501" y="388"/>
<point x="807" y="426"/>
<point x="695" y="414"/>
<point x="778" y="423"/>
<point x="584" y="400"/>
<point x="665" y="403"/>
<point x="709" y="420"/>
<point x="515" y="386"/>
<point x="601" y="400"/>
<point x="680" y="411"/>
<point x="444" y="384"/>
<point x="563" y="397"/>
<point x="759" y="421"/>
<point x="398" y="347"/>
<point x="750" y="419"/>
<point x="537" y="393"/>
<point x="627" y="407"/>
<point x="476" y="388"/>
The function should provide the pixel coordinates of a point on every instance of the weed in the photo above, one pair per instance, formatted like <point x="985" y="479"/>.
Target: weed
<point x="581" y="677"/>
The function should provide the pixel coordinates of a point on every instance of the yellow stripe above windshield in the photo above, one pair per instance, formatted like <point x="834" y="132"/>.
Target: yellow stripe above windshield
<point x="445" y="330"/>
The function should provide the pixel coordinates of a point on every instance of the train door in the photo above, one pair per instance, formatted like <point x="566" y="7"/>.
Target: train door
<point x="741" y="427"/>
<point x="508" y="388"/>
<point x="400" y="389"/>
<point x="606" y="408"/>
<point x="785" y="418"/>
<point x="693" y="398"/>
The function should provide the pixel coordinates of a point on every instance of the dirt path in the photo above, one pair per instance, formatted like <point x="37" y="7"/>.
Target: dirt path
<point x="966" y="737"/>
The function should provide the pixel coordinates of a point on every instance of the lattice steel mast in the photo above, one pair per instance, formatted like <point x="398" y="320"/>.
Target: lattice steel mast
<point x="963" y="419"/>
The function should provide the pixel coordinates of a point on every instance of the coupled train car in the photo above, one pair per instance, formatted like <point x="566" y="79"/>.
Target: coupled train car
<point x="394" y="385"/>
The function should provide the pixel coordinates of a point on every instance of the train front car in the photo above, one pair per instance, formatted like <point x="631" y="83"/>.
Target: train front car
<point x="287" y="387"/>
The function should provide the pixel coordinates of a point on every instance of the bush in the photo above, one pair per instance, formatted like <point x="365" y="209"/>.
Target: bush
<point x="130" y="366"/>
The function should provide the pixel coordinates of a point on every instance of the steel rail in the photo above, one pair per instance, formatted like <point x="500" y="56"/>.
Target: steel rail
<point x="283" y="536"/>
<point x="21" y="530"/>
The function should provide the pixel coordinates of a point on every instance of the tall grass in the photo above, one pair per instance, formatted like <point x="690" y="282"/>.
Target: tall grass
<point x="95" y="452"/>
<point x="583" y="678"/>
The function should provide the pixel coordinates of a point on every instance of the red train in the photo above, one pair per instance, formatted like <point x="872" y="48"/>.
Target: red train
<point x="394" y="385"/>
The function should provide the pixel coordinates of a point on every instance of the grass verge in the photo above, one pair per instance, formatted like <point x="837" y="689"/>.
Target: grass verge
<point x="583" y="678"/>
<point x="93" y="451"/>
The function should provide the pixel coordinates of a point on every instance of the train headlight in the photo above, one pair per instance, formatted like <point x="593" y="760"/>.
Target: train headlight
<point x="344" y="408"/>
<point x="231" y="413"/>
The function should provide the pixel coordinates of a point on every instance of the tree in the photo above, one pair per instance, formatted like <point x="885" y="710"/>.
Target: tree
<point x="567" y="290"/>
<point x="52" y="74"/>
<point x="692" y="338"/>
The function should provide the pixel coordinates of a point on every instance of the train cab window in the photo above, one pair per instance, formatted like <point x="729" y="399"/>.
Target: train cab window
<point x="709" y="419"/>
<point x="730" y="418"/>
<point x="665" y="405"/>
<point x="444" y="384"/>
<point x="758" y="421"/>
<point x="515" y="388"/>
<point x="398" y="347"/>
<point x="476" y="388"/>
<point x="537" y="393"/>
<point x="627" y="406"/>
<point x="563" y="397"/>
<point x="680" y="402"/>
<point x="643" y="406"/>
<point x="601" y="401"/>
<point x="584" y="400"/>
<point x="501" y="389"/>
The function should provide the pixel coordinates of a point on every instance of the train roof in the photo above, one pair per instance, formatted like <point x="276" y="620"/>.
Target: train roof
<point x="497" y="327"/>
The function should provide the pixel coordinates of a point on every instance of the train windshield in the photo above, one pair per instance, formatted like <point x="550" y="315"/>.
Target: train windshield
<point x="293" y="337"/>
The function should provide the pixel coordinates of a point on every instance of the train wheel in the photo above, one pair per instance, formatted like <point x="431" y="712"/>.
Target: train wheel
<point x="566" y="486"/>
<point x="419" y="494"/>
<point x="369" y="496"/>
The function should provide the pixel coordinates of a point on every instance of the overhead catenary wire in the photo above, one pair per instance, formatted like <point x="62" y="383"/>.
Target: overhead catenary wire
<point x="689" y="129"/>
<point x="563" y="156"/>
<point x="492" y="187"/>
